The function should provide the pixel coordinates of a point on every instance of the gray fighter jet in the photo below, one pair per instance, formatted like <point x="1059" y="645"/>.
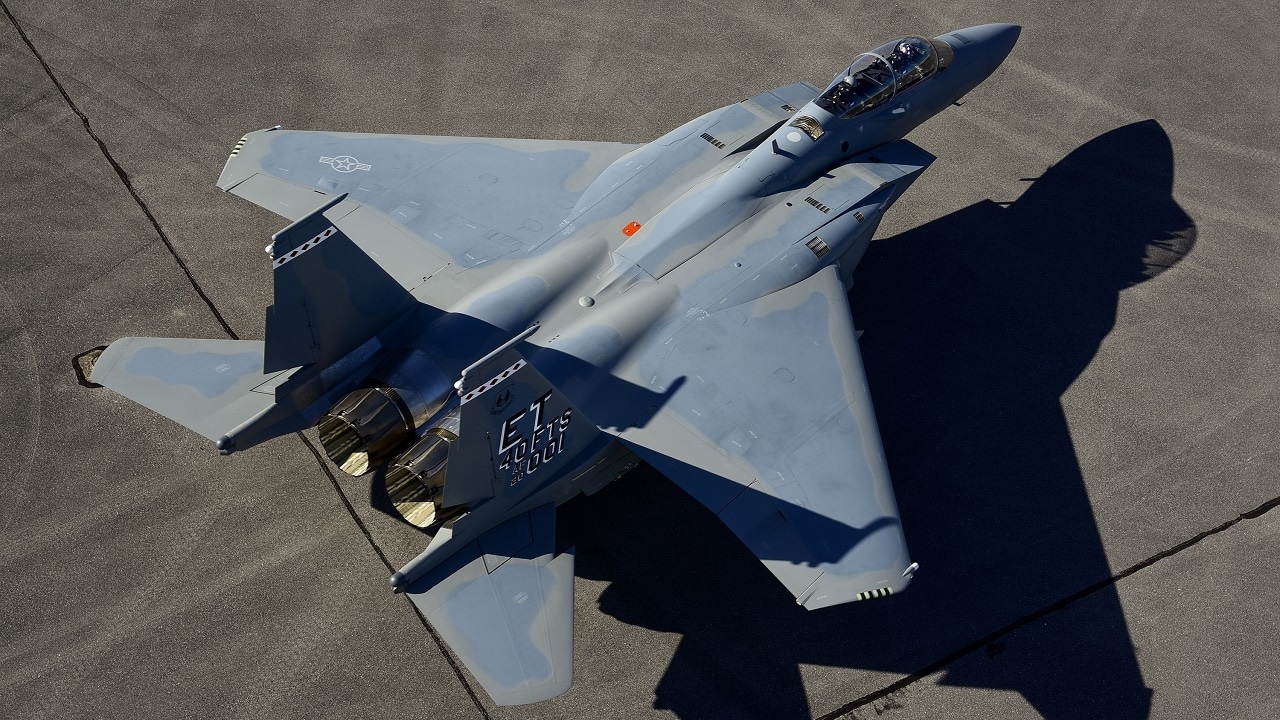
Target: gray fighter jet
<point x="499" y="325"/>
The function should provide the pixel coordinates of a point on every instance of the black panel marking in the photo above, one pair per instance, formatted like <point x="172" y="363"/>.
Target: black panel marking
<point x="817" y="204"/>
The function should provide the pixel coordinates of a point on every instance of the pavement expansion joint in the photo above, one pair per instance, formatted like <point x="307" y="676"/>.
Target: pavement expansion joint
<point x="120" y="171"/>
<point x="992" y="647"/>
<point x="80" y="361"/>
<point x="351" y="510"/>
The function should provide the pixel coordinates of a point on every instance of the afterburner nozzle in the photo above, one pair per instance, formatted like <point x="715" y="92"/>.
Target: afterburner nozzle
<point x="415" y="479"/>
<point x="363" y="428"/>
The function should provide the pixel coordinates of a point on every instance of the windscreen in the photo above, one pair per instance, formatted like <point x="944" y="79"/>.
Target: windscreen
<point x="876" y="77"/>
<point x="866" y="84"/>
<point x="913" y="59"/>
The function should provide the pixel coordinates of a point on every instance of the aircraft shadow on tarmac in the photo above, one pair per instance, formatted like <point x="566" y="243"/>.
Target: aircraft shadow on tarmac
<point x="976" y="324"/>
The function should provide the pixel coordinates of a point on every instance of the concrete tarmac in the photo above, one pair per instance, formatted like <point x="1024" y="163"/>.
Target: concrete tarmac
<point x="1071" y="337"/>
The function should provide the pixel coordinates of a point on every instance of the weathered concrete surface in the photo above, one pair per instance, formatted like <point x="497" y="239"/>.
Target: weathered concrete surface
<point x="1074" y="374"/>
<point x="1202" y="631"/>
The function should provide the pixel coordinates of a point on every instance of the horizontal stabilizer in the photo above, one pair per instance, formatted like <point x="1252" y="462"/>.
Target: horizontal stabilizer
<point x="213" y="387"/>
<point x="504" y="604"/>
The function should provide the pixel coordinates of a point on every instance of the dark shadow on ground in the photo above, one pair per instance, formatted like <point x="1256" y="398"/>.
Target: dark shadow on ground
<point x="976" y="324"/>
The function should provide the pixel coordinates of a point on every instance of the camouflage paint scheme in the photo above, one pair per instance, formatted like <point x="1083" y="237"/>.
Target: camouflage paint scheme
<point x="580" y="305"/>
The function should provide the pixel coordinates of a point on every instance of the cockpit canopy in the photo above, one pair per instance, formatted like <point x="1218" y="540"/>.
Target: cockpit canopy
<point x="875" y="77"/>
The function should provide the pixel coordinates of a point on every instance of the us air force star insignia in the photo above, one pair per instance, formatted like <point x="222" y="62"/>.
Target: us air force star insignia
<point x="345" y="163"/>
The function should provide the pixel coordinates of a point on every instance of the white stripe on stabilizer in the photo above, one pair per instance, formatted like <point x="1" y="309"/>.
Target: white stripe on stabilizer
<point x="493" y="382"/>
<point x="303" y="247"/>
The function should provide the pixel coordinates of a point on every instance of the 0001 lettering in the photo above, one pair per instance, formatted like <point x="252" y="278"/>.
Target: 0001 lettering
<point x="525" y="455"/>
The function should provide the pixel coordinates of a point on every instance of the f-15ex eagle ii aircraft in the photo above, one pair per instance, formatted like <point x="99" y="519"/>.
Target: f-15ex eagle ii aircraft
<point x="498" y="325"/>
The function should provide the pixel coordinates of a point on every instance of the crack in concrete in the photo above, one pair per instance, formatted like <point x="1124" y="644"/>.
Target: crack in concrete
<point x="848" y="708"/>
<point x="120" y="171"/>
<point x="444" y="650"/>
<point x="173" y="251"/>
<point x="845" y="709"/>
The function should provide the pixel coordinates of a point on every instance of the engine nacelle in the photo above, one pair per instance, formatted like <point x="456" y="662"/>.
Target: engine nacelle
<point x="365" y="428"/>
<point x="415" y="480"/>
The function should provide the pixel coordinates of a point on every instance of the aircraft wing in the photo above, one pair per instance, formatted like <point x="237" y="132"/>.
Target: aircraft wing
<point x="435" y="207"/>
<point x="422" y="205"/>
<point x="517" y="187"/>
<point x="504" y="603"/>
<point x="770" y="425"/>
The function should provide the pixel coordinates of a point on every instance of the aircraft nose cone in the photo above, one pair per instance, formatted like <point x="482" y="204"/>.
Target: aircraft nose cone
<point x="1000" y="37"/>
<point x="992" y="39"/>
<point x="979" y="50"/>
<point x="994" y="33"/>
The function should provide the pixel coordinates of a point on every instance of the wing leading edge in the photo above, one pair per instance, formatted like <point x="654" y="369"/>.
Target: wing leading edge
<point x="772" y="428"/>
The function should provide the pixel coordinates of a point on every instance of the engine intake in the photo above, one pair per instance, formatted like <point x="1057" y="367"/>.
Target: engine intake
<point x="415" y="480"/>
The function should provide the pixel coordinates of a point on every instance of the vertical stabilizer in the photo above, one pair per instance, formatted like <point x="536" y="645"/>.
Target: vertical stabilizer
<point x="516" y="429"/>
<point x="330" y="296"/>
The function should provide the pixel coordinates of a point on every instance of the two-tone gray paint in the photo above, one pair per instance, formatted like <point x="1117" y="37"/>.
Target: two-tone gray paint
<point x="571" y="308"/>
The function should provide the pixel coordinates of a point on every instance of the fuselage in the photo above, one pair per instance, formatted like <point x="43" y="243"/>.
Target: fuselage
<point x="807" y="194"/>
<point x="880" y="98"/>
<point x="500" y="324"/>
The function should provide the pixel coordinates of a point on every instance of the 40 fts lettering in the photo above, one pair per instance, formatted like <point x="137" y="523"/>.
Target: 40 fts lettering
<point x="525" y="455"/>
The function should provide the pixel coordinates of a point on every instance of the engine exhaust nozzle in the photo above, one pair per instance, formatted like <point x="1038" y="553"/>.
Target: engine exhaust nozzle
<point x="415" y="479"/>
<point x="363" y="428"/>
